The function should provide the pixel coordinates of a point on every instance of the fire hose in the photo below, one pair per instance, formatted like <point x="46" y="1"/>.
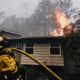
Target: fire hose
<point x="37" y="61"/>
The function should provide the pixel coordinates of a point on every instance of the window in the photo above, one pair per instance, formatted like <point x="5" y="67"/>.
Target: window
<point x="29" y="50"/>
<point x="54" y="51"/>
<point x="55" y="48"/>
<point x="29" y="46"/>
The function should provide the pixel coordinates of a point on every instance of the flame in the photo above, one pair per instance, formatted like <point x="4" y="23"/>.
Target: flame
<point x="58" y="32"/>
<point x="61" y="19"/>
<point x="63" y="26"/>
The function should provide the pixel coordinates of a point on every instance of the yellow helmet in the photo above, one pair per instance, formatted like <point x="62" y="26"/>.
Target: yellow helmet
<point x="3" y="42"/>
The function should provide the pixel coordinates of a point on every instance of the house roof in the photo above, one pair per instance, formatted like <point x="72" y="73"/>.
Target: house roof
<point x="38" y="38"/>
<point x="8" y="31"/>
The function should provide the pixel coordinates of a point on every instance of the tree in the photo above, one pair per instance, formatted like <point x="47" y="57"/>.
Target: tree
<point x="67" y="7"/>
<point x="71" y="52"/>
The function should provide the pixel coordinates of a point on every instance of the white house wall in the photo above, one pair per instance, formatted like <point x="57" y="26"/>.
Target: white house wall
<point x="42" y="53"/>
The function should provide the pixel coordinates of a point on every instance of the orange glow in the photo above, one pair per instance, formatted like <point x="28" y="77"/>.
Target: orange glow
<point x="63" y="26"/>
<point x="61" y="19"/>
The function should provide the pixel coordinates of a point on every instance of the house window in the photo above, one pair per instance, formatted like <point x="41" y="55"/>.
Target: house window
<point x="54" y="51"/>
<point x="29" y="50"/>
<point x="29" y="46"/>
<point x="55" y="48"/>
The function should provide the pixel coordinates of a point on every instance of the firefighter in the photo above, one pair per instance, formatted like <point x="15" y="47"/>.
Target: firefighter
<point x="8" y="63"/>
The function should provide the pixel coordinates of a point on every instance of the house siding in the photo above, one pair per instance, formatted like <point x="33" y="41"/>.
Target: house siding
<point x="41" y="51"/>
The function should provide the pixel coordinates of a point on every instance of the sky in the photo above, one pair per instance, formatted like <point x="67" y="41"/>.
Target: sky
<point x="23" y="8"/>
<point x="76" y="3"/>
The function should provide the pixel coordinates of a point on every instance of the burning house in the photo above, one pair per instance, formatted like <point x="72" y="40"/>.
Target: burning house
<point x="46" y="49"/>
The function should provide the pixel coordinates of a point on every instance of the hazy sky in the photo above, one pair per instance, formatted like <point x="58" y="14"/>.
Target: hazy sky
<point x="18" y="7"/>
<point x="23" y="7"/>
<point x="76" y="3"/>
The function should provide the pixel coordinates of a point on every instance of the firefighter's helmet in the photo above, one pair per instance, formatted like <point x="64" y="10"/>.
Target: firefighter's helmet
<point x="3" y="42"/>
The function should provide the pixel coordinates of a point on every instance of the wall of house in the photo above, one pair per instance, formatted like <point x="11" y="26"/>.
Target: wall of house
<point x="46" y="51"/>
<point x="42" y="52"/>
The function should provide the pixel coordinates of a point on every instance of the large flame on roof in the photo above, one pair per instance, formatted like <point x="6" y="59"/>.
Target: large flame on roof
<point x="62" y="24"/>
<point x="61" y="19"/>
